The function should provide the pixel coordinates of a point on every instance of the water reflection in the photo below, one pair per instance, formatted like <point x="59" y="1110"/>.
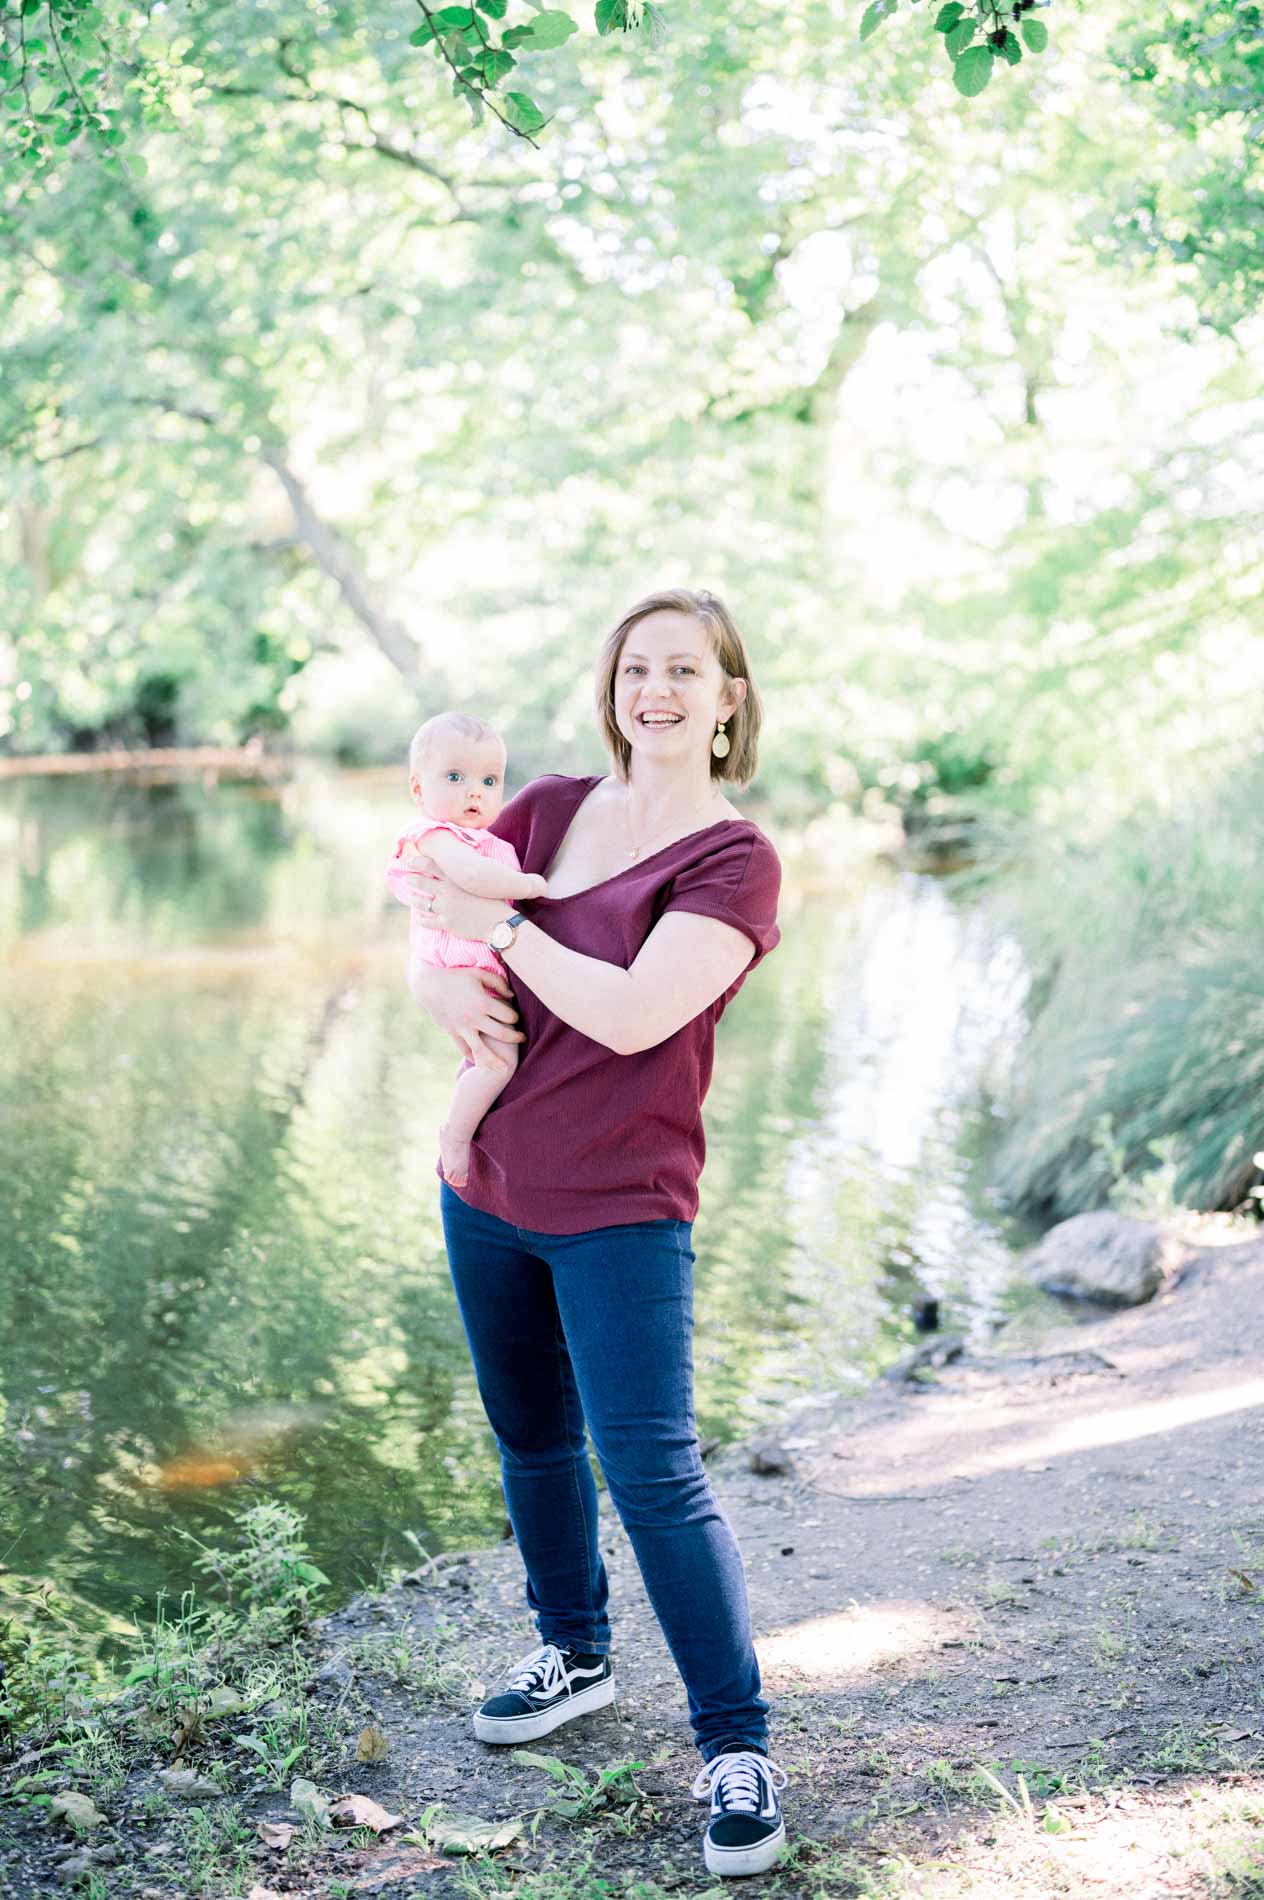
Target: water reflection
<point x="221" y="1257"/>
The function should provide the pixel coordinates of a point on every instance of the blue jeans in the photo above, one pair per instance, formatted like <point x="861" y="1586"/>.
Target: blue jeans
<point x="597" y="1326"/>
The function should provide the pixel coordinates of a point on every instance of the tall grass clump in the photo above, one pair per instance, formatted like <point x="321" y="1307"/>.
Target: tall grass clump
<point x="1144" y="1062"/>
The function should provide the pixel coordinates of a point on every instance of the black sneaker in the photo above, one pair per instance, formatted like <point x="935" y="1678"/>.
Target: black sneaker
<point x="746" y="1832"/>
<point x="548" y="1687"/>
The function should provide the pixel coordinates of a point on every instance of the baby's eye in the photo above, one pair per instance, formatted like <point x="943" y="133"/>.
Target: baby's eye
<point x="491" y="780"/>
<point x="452" y="775"/>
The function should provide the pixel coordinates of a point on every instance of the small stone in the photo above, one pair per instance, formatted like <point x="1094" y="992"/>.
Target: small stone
<point x="106" y="1855"/>
<point x="769" y="1458"/>
<point x="74" y="1870"/>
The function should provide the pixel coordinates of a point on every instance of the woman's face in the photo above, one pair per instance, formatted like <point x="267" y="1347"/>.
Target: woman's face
<point x="669" y="688"/>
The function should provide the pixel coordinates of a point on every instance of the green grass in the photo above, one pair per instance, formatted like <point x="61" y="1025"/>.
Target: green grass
<point x="1142" y="1078"/>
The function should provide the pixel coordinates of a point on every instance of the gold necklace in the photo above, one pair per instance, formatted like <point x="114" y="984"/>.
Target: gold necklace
<point x="637" y="849"/>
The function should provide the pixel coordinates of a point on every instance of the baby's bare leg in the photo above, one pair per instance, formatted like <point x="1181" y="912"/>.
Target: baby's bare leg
<point x="476" y="1089"/>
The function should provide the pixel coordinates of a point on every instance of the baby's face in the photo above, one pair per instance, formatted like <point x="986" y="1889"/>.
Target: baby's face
<point x="462" y="780"/>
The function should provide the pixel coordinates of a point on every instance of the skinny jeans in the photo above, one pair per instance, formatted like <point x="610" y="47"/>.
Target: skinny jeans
<point x="597" y="1328"/>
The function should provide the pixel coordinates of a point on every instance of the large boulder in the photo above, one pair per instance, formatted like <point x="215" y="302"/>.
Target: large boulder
<point x="1104" y="1256"/>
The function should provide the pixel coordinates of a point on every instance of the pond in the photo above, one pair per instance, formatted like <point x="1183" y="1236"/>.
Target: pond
<point x="221" y="1263"/>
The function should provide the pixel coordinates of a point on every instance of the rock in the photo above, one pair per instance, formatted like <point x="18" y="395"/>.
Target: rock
<point x="72" y="1871"/>
<point x="106" y="1855"/>
<point x="1103" y="1256"/>
<point x="769" y="1457"/>
<point x="935" y="1352"/>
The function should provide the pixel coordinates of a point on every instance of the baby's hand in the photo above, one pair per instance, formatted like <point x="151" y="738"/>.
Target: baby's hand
<point x="536" y="886"/>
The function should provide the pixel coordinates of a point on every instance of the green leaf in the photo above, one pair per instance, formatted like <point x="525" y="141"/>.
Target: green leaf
<point x="973" y="70"/>
<point x="873" y="16"/>
<point x="551" y="1764"/>
<point x="1036" y="34"/>
<point x="496" y="64"/>
<point x="1012" y="51"/>
<point x="550" y="29"/>
<point x="458" y="17"/>
<point x="948" y="16"/>
<point x="960" y="36"/>
<point x="424" y="34"/>
<point x="523" y="113"/>
<point x="612" y="16"/>
<point x="42" y="96"/>
<point x="516" y="36"/>
<point x="494" y="9"/>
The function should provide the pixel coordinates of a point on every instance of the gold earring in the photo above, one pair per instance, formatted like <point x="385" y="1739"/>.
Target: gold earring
<point x="720" y="743"/>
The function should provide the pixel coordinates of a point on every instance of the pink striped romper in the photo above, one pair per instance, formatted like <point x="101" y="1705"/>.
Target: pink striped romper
<point x="440" y="946"/>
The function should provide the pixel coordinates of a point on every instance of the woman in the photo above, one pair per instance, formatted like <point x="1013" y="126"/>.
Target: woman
<point x="569" y="1243"/>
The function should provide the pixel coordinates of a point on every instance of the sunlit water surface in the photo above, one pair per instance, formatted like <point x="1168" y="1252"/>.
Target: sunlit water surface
<point x="220" y="1254"/>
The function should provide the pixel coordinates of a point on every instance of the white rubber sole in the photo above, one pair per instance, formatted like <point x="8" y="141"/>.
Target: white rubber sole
<point x="744" y="1860"/>
<point x="529" y="1728"/>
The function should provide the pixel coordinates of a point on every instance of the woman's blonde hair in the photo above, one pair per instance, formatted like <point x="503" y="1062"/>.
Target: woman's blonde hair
<point x="742" y="726"/>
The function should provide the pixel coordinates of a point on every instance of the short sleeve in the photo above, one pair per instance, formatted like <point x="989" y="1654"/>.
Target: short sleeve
<point x="739" y="882"/>
<point x="515" y="818"/>
<point x="408" y="841"/>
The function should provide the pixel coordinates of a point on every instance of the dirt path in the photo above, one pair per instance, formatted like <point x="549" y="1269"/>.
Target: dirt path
<point x="1051" y="1564"/>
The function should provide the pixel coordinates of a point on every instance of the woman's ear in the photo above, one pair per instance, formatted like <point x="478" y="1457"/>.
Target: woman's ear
<point x="734" y="694"/>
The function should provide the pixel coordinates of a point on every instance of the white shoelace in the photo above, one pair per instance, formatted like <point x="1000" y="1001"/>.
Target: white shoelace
<point x="735" y="1783"/>
<point x="540" y="1673"/>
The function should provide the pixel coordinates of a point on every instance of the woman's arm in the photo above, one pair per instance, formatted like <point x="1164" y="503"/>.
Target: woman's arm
<point x="684" y="964"/>
<point x="681" y="968"/>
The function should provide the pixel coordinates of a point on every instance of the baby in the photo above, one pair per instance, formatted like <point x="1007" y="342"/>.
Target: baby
<point x="456" y="774"/>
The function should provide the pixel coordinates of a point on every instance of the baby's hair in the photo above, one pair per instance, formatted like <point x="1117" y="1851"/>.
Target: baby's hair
<point x="466" y="724"/>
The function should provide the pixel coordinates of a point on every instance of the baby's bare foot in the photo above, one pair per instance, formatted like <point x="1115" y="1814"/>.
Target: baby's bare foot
<point x="454" y="1157"/>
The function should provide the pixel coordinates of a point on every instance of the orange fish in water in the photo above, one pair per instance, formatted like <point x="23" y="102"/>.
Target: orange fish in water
<point x="199" y="1471"/>
<point x="245" y="1436"/>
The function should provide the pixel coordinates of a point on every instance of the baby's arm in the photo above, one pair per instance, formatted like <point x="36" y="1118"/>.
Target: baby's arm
<point x="482" y="877"/>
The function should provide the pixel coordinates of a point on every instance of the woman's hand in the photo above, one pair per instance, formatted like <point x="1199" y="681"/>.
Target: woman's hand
<point x="440" y="904"/>
<point x="472" y="1005"/>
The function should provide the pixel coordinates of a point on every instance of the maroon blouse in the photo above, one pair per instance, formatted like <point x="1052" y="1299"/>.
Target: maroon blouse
<point x="581" y="1137"/>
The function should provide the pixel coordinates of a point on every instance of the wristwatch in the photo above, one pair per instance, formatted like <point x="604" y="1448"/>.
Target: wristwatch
<point x="504" y="935"/>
